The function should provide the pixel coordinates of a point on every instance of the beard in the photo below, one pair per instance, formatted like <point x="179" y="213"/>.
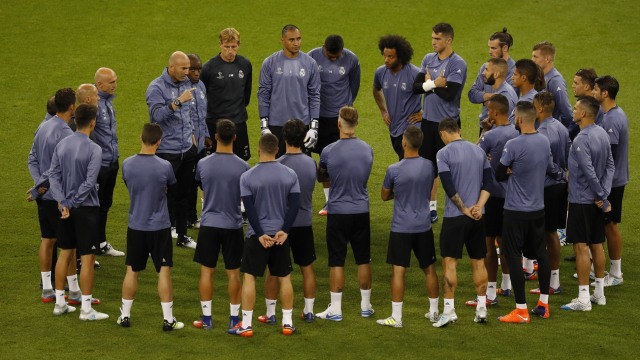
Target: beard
<point x="490" y="81"/>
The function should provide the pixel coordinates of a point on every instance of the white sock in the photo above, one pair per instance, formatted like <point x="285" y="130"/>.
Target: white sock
<point x="271" y="306"/>
<point x="599" y="288"/>
<point x="433" y="304"/>
<point x="521" y="306"/>
<point x="583" y="293"/>
<point x="528" y="265"/>
<point x="365" y="302"/>
<point x="86" y="303"/>
<point x="396" y="310"/>
<point x="555" y="279"/>
<point x="234" y="309"/>
<point x="615" y="268"/>
<point x="491" y="290"/>
<point x="506" y="282"/>
<point x="433" y="205"/>
<point x="247" y="316"/>
<point x="482" y="302"/>
<point x="73" y="283"/>
<point x="103" y="244"/>
<point x="206" y="307"/>
<point x="46" y="280"/>
<point x="286" y="317"/>
<point x="326" y="193"/>
<point x="448" y="305"/>
<point x="336" y="302"/>
<point x="167" y="310"/>
<point x="125" y="309"/>
<point x="308" y="305"/>
<point x="60" y="301"/>
<point x="544" y="298"/>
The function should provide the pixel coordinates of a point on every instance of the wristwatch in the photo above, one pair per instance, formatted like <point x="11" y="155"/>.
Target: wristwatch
<point x="177" y="103"/>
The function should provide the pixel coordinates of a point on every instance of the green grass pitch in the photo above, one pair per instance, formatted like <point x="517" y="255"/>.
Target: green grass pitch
<point x="48" y="45"/>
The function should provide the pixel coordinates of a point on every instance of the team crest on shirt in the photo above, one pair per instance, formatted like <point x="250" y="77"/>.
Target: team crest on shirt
<point x="202" y="95"/>
<point x="403" y="86"/>
<point x="320" y="68"/>
<point x="279" y="71"/>
<point x="240" y="74"/>
<point x="302" y="73"/>
<point x="342" y="71"/>
<point x="173" y="94"/>
<point x="220" y="76"/>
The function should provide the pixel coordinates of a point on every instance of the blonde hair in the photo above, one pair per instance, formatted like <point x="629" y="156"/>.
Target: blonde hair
<point x="229" y="34"/>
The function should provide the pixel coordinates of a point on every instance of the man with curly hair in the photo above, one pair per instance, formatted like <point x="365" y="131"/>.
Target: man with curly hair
<point x="392" y="89"/>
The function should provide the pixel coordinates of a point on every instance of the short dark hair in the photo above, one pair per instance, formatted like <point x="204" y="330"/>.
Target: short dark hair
<point x="84" y="114"/>
<point x="527" y="111"/>
<point x="501" y="65"/>
<point x="293" y="133"/>
<point x="609" y="84"/>
<point x="51" y="106"/>
<point x="333" y="44"/>
<point x="532" y="72"/>
<point x="546" y="100"/>
<point x="588" y="76"/>
<point x="449" y="125"/>
<point x="64" y="98"/>
<point x="503" y="37"/>
<point x="226" y="130"/>
<point x="269" y="143"/>
<point x="194" y="57"/>
<point x="289" y="27"/>
<point x="403" y="47"/>
<point x="590" y="104"/>
<point x="443" y="28"/>
<point x="500" y="103"/>
<point x="414" y="136"/>
<point x="349" y="115"/>
<point x="151" y="133"/>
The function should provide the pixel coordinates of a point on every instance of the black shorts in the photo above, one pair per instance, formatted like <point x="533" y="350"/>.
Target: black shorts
<point x="142" y="243"/>
<point x="211" y="239"/>
<point x="615" y="198"/>
<point x="432" y="142"/>
<point x="348" y="228"/>
<point x="81" y="230"/>
<point x="255" y="258"/>
<point x="523" y="233"/>
<point x="328" y="133"/>
<point x="302" y="247"/>
<point x="49" y="217"/>
<point x="460" y="231"/>
<point x="585" y="224"/>
<point x="401" y="244"/>
<point x="555" y="207"/>
<point x="493" y="216"/>
<point x="240" y="145"/>
<point x="396" y="142"/>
